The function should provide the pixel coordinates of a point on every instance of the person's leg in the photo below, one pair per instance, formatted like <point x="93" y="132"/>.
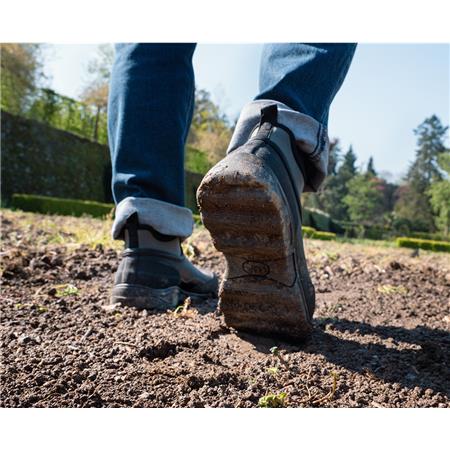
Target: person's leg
<point x="149" y="113"/>
<point x="302" y="79"/>
<point x="279" y="149"/>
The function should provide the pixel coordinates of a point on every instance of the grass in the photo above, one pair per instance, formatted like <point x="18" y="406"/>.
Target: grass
<point x="61" y="230"/>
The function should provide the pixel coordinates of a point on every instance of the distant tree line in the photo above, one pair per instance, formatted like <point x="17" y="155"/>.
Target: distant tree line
<point x="363" y="198"/>
<point x="358" y="198"/>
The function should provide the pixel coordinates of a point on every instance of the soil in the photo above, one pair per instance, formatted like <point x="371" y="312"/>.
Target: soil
<point x="381" y="331"/>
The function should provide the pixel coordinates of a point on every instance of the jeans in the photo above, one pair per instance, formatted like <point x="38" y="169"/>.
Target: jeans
<point x="150" y="109"/>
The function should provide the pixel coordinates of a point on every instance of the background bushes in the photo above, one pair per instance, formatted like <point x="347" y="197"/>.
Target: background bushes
<point x="38" y="159"/>
<point x="61" y="206"/>
<point x="436" y="246"/>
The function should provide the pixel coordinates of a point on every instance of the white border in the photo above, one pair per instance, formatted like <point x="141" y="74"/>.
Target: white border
<point x="231" y="21"/>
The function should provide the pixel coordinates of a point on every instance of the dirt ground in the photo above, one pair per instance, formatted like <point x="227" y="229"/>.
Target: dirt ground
<point x="381" y="336"/>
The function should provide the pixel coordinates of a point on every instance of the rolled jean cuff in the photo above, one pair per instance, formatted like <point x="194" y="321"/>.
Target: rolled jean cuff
<point x="310" y="135"/>
<point x="164" y="217"/>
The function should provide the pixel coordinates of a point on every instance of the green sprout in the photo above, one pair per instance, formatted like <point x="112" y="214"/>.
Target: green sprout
<point x="273" y="400"/>
<point x="65" y="290"/>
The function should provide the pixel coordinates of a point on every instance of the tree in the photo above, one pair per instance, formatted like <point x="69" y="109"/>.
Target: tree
<point x="210" y="130"/>
<point x="325" y="198"/>
<point x="413" y="202"/>
<point x="370" y="168"/>
<point x="95" y="93"/>
<point x="364" y="199"/>
<point x="338" y="187"/>
<point x="21" y="74"/>
<point x="439" y="193"/>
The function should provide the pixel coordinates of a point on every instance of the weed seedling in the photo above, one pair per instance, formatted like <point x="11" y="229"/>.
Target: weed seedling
<point x="66" y="290"/>
<point x="276" y="352"/>
<point x="272" y="370"/>
<point x="183" y="310"/>
<point x="273" y="400"/>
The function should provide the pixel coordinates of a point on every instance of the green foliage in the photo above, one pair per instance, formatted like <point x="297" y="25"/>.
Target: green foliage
<point x="66" y="290"/>
<point x="210" y="130"/>
<point x="38" y="159"/>
<point x="439" y="193"/>
<point x="273" y="400"/>
<point x="320" y="220"/>
<point x="61" y="206"/>
<point x="364" y="201"/>
<point x="311" y="233"/>
<point x="41" y="160"/>
<point x="413" y="200"/>
<point x="196" y="160"/>
<point x="191" y="182"/>
<point x="21" y="74"/>
<point x="324" y="235"/>
<point x="371" y="168"/>
<point x="436" y="246"/>
<point x="308" y="232"/>
<point x="429" y="236"/>
<point x="68" y="114"/>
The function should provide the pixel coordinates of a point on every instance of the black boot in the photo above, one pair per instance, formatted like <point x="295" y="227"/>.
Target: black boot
<point x="250" y="203"/>
<point x="154" y="273"/>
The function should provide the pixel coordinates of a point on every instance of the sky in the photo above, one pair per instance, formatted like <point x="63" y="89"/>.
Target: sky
<point x="389" y="90"/>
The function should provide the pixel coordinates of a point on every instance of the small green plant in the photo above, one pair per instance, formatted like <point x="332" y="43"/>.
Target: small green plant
<point x="277" y="353"/>
<point x="273" y="400"/>
<point x="66" y="290"/>
<point x="183" y="311"/>
<point x="272" y="370"/>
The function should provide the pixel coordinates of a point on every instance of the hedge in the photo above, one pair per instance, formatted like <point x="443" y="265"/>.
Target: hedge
<point x="310" y="232"/>
<point x="320" y="220"/>
<point x="429" y="236"/>
<point x="324" y="235"/>
<point x="436" y="246"/>
<point x="41" y="160"/>
<point x="61" y="206"/>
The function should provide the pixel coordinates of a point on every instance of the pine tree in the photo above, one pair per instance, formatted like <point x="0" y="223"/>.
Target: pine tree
<point x="335" y="187"/>
<point x="370" y="168"/>
<point x="413" y="203"/>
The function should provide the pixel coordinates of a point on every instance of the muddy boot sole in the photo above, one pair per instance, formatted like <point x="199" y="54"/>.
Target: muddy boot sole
<point x="243" y="206"/>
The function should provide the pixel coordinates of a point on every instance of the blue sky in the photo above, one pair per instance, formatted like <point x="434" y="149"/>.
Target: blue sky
<point x="389" y="90"/>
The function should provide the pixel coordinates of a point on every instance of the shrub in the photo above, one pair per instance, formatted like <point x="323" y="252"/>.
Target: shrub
<point x="62" y="206"/>
<point x="320" y="220"/>
<point x="324" y="235"/>
<point x="196" y="160"/>
<point x="430" y="236"/>
<point x="308" y="231"/>
<point x="436" y="246"/>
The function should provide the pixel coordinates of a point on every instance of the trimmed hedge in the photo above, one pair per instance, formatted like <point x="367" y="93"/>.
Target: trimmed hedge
<point x="320" y="220"/>
<point x="429" y="236"/>
<point x="61" y="206"/>
<point x="324" y="235"/>
<point x="40" y="160"/>
<point x="310" y="232"/>
<point x="435" y="246"/>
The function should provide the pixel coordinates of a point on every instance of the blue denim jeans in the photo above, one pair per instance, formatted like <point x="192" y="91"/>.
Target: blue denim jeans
<point x="150" y="110"/>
